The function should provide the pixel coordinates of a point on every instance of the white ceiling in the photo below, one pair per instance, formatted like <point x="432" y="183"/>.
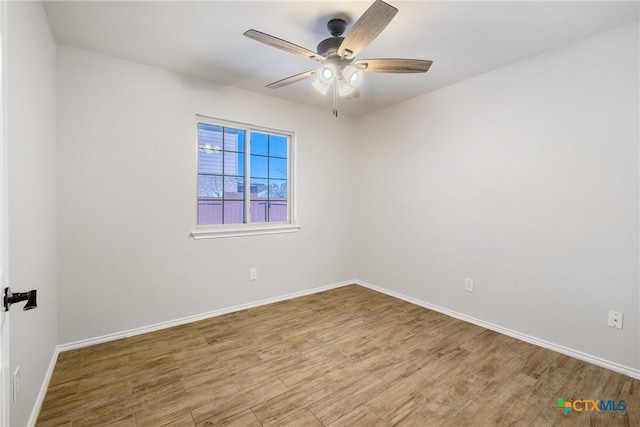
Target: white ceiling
<point x="204" y="38"/>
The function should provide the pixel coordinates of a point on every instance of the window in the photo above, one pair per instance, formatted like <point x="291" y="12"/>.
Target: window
<point x="244" y="179"/>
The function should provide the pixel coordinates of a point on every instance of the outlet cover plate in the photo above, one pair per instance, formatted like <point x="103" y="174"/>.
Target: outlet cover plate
<point x="468" y="284"/>
<point x="615" y="319"/>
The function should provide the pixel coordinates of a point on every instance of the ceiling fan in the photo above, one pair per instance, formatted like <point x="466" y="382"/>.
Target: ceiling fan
<point x="339" y="70"/>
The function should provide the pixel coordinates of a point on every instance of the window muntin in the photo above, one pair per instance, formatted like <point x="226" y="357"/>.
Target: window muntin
<point x="244" y="174"/>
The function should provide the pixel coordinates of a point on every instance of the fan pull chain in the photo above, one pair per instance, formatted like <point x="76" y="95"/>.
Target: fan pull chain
<point x="335" y="99"/>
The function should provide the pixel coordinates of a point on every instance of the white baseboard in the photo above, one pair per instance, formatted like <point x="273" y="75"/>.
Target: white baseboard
<point x="35" y="411"/>
<point x="171" y="323"/>
<point x="616" y="367"/>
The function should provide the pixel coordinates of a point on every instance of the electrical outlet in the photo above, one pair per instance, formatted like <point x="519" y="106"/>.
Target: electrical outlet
<point x="468" y="284"/>
<point x="16" y="384"/>
<point x="615" y="319"/>
<point x="253" y="273"/>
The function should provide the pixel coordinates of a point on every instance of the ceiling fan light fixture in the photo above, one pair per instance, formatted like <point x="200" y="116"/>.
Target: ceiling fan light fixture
<point x="321" y="86"/>
<point x="344" y="88"/>
<point x="327" y="73"/>
<point x="352" y="76"/>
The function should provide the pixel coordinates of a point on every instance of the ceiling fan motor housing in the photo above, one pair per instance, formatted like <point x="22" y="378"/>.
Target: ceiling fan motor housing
<point x="336" y="26"/>
<point x="329" y="47"/>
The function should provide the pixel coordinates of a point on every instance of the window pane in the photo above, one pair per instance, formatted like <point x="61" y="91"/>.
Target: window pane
<point x="278" y="145"/>
<point x="209" y="212"/>
<point x="233" y="188"/>
<point x="259" y="165"/>
<point x="259" y="189"/>
<point x="233" y="163"/>
<point x="233" y="212"/>
<point x="209" y="136"/>
<point x="259" y="211"/>
<point x="278" y="211"/>
<point x="277" y="168"/>
<point x="233" y="139"/>
<point x="209" y="161"/>
<point x="259" y="143"/>
<point x="209" y="187"/>
<point x="277" y="189"/>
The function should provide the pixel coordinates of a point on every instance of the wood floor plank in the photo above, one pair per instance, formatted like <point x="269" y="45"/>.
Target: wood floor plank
<point x="276" y="410"/>
<point x="243" y="419"/>
<point x="344" y="400"/>
<point x="300" y="418"/>
<point x="396" y="401"/>
<point x="225" y="410"/>
<point x="360" y="416"/>
<point x="120" y="413"/>
<point x="346" y="357"/>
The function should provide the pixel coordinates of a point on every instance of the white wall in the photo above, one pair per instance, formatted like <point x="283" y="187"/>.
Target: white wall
<point x="524" y="179"/>
<point x="127" y="199"/>
<point x="31" y="56"/>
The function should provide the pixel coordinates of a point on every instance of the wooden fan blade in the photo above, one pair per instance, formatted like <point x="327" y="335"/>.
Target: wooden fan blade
<point x="292" y="79"/>
<point x="366" y="29"/>
<point x="393" y="65"/>
<point x="283" y="45"/>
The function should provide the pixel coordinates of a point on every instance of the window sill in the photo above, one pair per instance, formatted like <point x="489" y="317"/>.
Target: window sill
<point x="217" y="233"/>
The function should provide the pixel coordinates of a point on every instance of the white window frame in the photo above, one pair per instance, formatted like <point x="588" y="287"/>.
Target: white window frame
<point x="249" y="229"/>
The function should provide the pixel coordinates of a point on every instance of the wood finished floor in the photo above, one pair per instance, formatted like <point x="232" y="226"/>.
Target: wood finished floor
<point x="345" y="357"/>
